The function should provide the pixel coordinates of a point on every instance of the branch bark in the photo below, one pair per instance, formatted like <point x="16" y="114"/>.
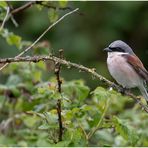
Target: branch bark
<point x="59" y="81"/>
<point x="77" y="66"/>
<point x="51" y="26"/>
<point x="22" y="8"/>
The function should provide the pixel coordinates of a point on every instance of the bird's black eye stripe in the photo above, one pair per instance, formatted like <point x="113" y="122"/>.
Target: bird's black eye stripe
<point x="118" y="49"/>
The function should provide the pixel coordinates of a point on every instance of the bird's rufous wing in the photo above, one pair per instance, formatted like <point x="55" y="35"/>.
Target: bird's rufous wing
<point x="135" y="62"/>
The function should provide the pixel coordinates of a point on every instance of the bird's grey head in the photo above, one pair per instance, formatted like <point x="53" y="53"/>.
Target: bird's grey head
<point x="119" y="46"/>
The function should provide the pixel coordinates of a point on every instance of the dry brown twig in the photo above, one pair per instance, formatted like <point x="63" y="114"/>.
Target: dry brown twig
<point x="59" y="81"/>
<point x="77" y="66"/>
<point x="22" y="8"/>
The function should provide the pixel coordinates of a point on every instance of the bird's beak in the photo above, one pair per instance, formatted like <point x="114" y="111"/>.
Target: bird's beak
<point x="107" y="49"/>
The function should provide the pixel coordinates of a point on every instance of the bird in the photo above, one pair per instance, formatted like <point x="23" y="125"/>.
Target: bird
<point x="126" y="68"/>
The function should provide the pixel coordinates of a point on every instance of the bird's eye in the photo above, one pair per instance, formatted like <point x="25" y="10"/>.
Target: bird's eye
<point x="116" y="49"/>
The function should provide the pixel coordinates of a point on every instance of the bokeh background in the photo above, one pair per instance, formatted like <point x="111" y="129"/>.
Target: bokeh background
<point x="84" y="36"/>
<point x="28" y="92"/>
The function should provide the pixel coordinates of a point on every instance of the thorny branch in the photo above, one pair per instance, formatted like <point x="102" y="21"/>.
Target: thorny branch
<point x="77" y="66"/>
<point x="59" y="81"/>
<point x="51" y="26"/>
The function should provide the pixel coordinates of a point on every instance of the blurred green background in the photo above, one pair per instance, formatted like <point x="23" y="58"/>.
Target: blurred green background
<point x="83" y="37"/>
<point x="28" y="92"/>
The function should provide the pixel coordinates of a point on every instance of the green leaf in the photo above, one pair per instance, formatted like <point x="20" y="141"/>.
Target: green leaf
<point x="13" y="39"/>
<point x="53" y="15"/>
<point x="100" y="93"/>
<point x="30" y="121"/>
<point x="63" y="3"/>
<point x="41" y="65"/>
<point x="3" y="4"/>
<point x="63" y="143"/>
<point x="37" y="76"/>
<point x="75" y="137"/>
<point x="126" y="132"/>
<point x="76" y="89"/>
<point x="13" y="80"/>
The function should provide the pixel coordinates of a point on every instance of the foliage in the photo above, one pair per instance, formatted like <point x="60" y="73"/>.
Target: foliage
<point x="28" y="111"/>
<point x="28" y="94"/>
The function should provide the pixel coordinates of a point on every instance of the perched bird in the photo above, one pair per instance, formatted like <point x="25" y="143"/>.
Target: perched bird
<point x="126" y="68"/>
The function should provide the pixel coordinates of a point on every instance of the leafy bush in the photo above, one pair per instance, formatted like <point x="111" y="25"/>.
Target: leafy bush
<point x="29" y="116"/>
<point x="28" y="99"/>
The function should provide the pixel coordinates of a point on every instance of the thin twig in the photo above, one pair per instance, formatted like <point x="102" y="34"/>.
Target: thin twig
<point x="59" y="81"/>
<point x="100" y="121"/>
<point x="77" y="66"/>
<point x="10" y="15"/>
<point x="3" y="23"/>
<point x="51" y="26"/>
<point x="27" y="5"/>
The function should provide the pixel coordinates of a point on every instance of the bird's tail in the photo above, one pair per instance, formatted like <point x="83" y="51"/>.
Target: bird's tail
<point x="144" y="92"/>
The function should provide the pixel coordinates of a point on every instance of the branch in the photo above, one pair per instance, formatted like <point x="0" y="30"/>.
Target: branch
<point x="27" y="5"/>
<point x="77" y="66"/>
<point x="57" y="71"/>
<point x="51" y="26"/>
<point x="3" y="23"/>
<point x="59" y="81"/>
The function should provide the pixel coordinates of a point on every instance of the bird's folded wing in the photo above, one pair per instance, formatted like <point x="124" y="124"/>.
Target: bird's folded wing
<point x="135" y="62"/>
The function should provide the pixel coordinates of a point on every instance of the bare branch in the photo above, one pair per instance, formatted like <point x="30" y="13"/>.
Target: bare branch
<point x="57" y="70"/>
<point x="27" y="5"/>
<point x="3" y="23"/>
<point x="77" y="66"/>
<point x="59" y="81"/>
<point x="51" y="26"/>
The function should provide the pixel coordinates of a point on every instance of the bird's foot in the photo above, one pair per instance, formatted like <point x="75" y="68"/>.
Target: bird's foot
<point x="123" y="90"/>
